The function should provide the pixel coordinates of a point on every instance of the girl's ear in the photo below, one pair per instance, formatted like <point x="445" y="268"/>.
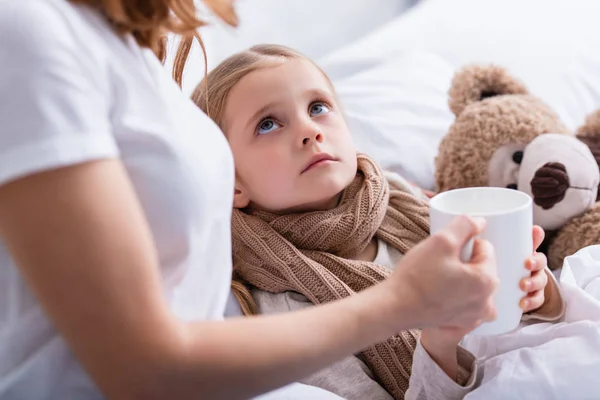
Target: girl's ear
<point x="240" y="196"/>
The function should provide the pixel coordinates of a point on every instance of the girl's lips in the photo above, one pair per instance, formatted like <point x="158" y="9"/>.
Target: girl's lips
<point x="319" y="160"/>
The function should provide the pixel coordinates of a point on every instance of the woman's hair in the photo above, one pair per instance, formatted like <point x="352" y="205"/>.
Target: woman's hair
<point x="211" y="95"/>
<point x="150" y="21"/>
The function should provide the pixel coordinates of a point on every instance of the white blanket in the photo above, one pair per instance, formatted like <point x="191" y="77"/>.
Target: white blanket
<point x="549" y="360"/>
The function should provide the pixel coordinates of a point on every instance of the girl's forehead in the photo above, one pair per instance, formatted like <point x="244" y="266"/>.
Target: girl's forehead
<point x="292" y="73"/>
<point x="292" y="80"/>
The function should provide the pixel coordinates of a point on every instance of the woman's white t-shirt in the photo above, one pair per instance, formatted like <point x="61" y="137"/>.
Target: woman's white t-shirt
<point x="72" y="91"/>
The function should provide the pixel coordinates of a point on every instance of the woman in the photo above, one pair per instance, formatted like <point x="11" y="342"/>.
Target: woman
<point x="115" y="203"/>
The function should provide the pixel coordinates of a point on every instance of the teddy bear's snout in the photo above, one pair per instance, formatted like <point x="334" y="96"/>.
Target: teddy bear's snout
<point x="549" y="185"/>
<point x="560" y="174"/>
<point x="594" y="144"/>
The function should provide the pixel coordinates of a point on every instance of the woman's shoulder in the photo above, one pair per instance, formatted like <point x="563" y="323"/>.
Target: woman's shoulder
<point x="44" y="34"/>
<point x="50" y="38"/>
<point x="35" y="22"/>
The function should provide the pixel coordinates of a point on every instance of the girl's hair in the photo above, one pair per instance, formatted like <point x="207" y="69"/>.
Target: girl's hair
<point x="150" y="21"/>
<point x="211" y="95"/>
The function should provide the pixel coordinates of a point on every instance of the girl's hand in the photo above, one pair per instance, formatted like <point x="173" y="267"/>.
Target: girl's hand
<point x="535" y="284"/>
<point x="441" y="345"/>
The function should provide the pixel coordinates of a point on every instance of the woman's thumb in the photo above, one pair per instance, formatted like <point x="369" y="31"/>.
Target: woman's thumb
<point x="483" y="252"/>
<point x="483" y="261"/>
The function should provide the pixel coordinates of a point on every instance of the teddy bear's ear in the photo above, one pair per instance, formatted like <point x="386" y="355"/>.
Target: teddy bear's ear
<point x="474" y="83"/>
<point x="591" y="127"/>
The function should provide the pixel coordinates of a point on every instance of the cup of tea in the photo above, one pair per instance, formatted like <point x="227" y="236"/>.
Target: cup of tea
<point x="509" y="224"/>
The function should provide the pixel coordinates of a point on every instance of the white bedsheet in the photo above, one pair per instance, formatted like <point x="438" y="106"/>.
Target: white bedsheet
<point x="549" y="361"/>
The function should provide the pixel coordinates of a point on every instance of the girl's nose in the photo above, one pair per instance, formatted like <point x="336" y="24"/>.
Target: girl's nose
<point x="315" y="135"/>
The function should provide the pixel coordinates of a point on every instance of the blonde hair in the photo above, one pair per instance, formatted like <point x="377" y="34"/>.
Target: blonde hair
<point x="212" y="92"/>
<point x="211" y="96"/>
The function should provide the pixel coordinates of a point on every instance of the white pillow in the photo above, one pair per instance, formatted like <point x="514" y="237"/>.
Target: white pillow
<point x="397" y="112"/>
<point x="552" y="45"/>
<point x="313" y="27"/>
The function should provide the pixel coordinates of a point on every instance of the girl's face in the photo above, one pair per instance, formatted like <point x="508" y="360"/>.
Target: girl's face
<point x="292" y="148"/>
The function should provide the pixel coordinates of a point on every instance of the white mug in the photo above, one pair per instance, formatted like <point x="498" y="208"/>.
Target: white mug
<point x="509" y="218"/>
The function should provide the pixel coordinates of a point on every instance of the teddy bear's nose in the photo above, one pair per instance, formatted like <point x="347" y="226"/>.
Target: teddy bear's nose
<point x="549" y="185"/>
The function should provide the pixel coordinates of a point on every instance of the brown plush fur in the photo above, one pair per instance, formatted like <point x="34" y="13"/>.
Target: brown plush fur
<point x="493" y="109"/>
<point x="481" y="126"/>
<point x="474" y="83"/>
<point x="591" y="127"/>
<point x="576" y="234"/>
<point x="589" y="133"/>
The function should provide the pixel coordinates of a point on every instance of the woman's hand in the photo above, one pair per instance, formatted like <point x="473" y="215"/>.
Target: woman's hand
<point x="441" y="342"/>
<point x="443" y="290"/>
<point x="535" y="284"/>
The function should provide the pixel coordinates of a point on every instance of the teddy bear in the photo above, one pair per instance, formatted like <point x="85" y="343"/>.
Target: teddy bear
<point x="503" y="136"/>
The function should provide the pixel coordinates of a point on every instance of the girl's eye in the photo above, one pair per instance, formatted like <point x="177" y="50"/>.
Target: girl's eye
<point x="318" y="109"/>
<point x="267" y="126"/>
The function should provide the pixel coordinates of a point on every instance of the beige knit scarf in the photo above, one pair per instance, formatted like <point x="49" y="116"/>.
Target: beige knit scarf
<point x="312" y="253"/>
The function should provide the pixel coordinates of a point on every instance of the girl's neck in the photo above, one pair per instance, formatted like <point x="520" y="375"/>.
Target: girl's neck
<point x="321" y="205"/>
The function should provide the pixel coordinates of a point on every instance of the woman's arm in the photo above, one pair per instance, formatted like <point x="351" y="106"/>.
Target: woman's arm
<point x="80" y="239"/>
<point x="348" y="378"/>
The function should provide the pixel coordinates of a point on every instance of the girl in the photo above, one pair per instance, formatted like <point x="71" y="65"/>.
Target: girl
<point x="315" y="223"/>
<point x="115" y="212"/>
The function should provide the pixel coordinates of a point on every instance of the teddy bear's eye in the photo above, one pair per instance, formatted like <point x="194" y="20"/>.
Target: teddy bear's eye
<point x="512" y="186"/>
<point x="517" y="157"/>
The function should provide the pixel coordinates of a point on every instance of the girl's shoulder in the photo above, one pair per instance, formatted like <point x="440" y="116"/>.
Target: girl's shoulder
<point x="406" y="185"/>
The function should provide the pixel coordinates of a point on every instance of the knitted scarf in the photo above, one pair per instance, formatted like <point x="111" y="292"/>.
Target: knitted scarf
<point x="312" y="254"/>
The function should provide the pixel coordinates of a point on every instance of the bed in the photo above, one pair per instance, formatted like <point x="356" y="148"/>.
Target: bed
<point x="391" y="63"/>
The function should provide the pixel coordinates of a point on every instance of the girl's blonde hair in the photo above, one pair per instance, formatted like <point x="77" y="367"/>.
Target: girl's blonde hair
<point x="211" y="96"/>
